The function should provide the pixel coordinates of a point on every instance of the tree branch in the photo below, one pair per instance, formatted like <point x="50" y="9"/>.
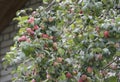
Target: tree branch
<point x="50" y="5"/>
<point x="110" y="63"/>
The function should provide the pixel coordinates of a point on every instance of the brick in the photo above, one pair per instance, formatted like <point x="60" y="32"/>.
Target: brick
<point x="6" y="72"/>
<point x="33" y="1"/>
<point x="8" y="29"/>
<point x="5" y="78"/>
<point x="0" y="67"/>
<point x="4" y="50"/>
<point x="16" y="28"/>
<point x="12" y="34"/>
<point x="6" y="36"/>
<point x="1" y="38"/>
<point x="6" y="43"/>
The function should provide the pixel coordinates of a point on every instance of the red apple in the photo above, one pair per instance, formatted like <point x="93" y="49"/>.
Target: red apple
<point x="106" y="34"/>
<point x="81" y="12"/>
<point x="30" y="31"/>
<point x="22" y="38"/>
<point x="45" y="36"/>
<point x="84" y="77"/>
<point x="68" y="75"/>
<point x="36" y="27"/>
<point x="33" y="80"/>
<point x="89" y="69"/>
<point x="31" y="20"/>
<point x="80" y="80"/>
<point x="59" y="59"/>
<point x="55" y="63"/>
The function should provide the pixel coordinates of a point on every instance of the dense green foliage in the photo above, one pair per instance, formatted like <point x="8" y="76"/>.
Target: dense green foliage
<point x="68" y="41"/>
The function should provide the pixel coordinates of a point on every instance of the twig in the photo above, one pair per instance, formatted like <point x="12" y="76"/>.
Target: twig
<point x="50" y="5"/>
<point x="110" y="63"/>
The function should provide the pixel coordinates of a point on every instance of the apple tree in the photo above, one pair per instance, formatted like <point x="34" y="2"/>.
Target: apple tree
<point x="67" y="41"/>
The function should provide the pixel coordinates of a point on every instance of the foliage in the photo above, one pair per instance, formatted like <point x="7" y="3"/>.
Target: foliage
<point x="67" y="41"/>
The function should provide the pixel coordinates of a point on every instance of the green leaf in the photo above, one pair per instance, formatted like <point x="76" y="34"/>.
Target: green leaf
<point x="45" y="1"/>
<point x="112" y="79"/>
<point x="27" y="48"/>
<point x="61" y="51"/>
<point x="53" y="28"/>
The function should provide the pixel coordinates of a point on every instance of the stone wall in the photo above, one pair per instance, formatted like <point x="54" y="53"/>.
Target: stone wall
<point x="6" y="40"/>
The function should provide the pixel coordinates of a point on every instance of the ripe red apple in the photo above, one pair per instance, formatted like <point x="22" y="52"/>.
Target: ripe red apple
<point x="89" y="69"/>
<point x="31" y="20"/>
<point x="45" y="36"/>
<point x="80" y="80"/>
<point x="55" y="63"/>
<point x="81" y="12"/>
<point x="36" y="27"/>
<point x="84" y="77"/>
<point x="106" y="34"/>
<point x="30" y="31"/>
<point x="22" y="38"/>
<point x="68" y="75"/>
<point x="59" y="59"/>
<point x="33" y="80"/>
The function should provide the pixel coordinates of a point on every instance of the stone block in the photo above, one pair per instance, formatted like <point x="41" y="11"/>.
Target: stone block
<point x="6" y="43"/>
<point x="1" y="38"/>
<point x="6" y="36"/>
<point x="12" y="34"/>
<point x="4" y="50"/>
<point x="6" y="78"/>
<point x="5" y="72"/>
<point x="8" y="29"/>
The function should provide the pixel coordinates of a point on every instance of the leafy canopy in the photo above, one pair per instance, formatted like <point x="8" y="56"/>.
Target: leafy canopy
<point x="67" y="41"/>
